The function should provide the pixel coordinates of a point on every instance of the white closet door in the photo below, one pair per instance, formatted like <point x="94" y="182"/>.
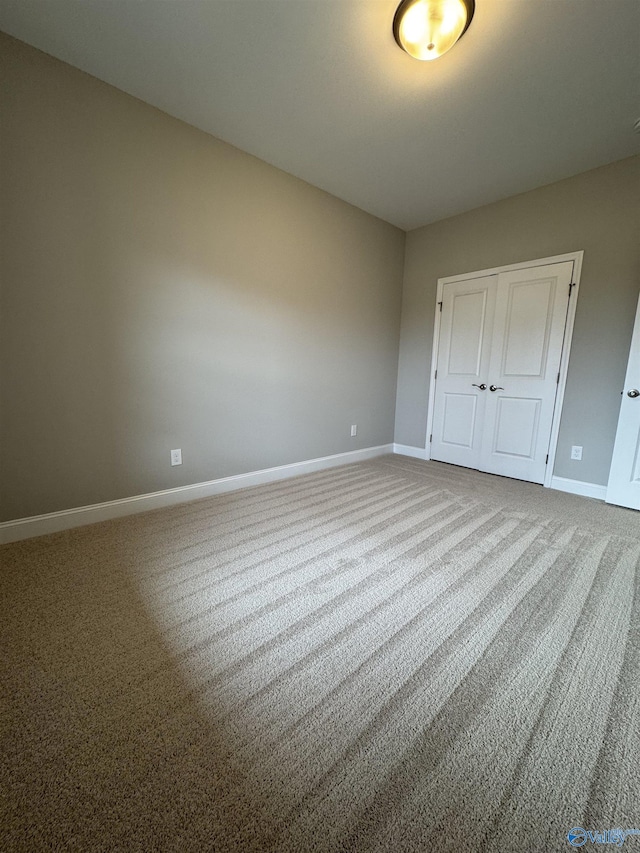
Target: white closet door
<point x="464" y="351"/>
<point x="498" y="363"/>
<point x="528" y="331"/>
<point x="624" y="476"/>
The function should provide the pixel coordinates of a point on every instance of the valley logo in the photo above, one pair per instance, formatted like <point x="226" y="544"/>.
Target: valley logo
<point x="578" y="837"/>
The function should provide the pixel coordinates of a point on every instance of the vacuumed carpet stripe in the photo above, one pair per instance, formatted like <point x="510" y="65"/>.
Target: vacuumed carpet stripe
<point x="389" y="656"/>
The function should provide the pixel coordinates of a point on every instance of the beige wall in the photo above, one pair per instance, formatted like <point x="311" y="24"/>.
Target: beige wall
<point x="599" y="212"/>
<point x="161" y="289"/>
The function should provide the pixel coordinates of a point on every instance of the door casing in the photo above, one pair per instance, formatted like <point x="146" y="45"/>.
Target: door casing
<point x="576" y="259"/>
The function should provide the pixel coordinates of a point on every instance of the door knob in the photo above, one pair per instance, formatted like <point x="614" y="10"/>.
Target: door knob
<point x="633" y="393"/>
<point x="481" y="387"/>
<point x="495" y="388"/>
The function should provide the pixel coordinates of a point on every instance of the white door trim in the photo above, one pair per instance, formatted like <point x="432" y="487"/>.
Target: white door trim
<point x="576" y="259"/>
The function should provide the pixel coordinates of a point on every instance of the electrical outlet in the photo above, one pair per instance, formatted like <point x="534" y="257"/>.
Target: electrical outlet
<point x="576" y="452"/>
<point x="354" y="430"/>
<point x="176" y="457"/>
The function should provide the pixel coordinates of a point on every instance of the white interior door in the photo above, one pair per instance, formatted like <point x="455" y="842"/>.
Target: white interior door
<point x="531" y="311"/>
<point x="624" y="476"/>
<point x="498" y="362"/>
<point x="467" y="312"/>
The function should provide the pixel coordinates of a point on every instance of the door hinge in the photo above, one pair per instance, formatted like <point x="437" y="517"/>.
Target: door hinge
<point x="440" y="304"/>
<point x="558" y="379"/>
<point x="546" y="461"/>
<point x="571" y="286"/>
<point x="430" y="438"/>
<point x="435" y="375"/>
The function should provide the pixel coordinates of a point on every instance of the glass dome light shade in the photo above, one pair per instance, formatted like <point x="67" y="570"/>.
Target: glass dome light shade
<point x="426" y="29"/>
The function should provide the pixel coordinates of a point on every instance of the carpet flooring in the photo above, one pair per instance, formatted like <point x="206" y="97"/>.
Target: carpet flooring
<point x="389" y="656"/>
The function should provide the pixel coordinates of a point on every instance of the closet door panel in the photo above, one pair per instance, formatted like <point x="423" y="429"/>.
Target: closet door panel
<point x="528" y="331"/>
<point x="466" y="327"/>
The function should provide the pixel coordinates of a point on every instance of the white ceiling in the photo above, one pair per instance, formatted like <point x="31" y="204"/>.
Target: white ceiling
<point x="536" y="90"/>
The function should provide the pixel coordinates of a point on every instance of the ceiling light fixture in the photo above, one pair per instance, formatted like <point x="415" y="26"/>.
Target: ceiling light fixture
<point x="426" y="29"/>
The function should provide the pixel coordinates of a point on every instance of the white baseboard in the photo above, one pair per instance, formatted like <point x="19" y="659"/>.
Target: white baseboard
<point x="577" y="487"/>
<point x="407" y="450"/>
<point x="52" y="522"/>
